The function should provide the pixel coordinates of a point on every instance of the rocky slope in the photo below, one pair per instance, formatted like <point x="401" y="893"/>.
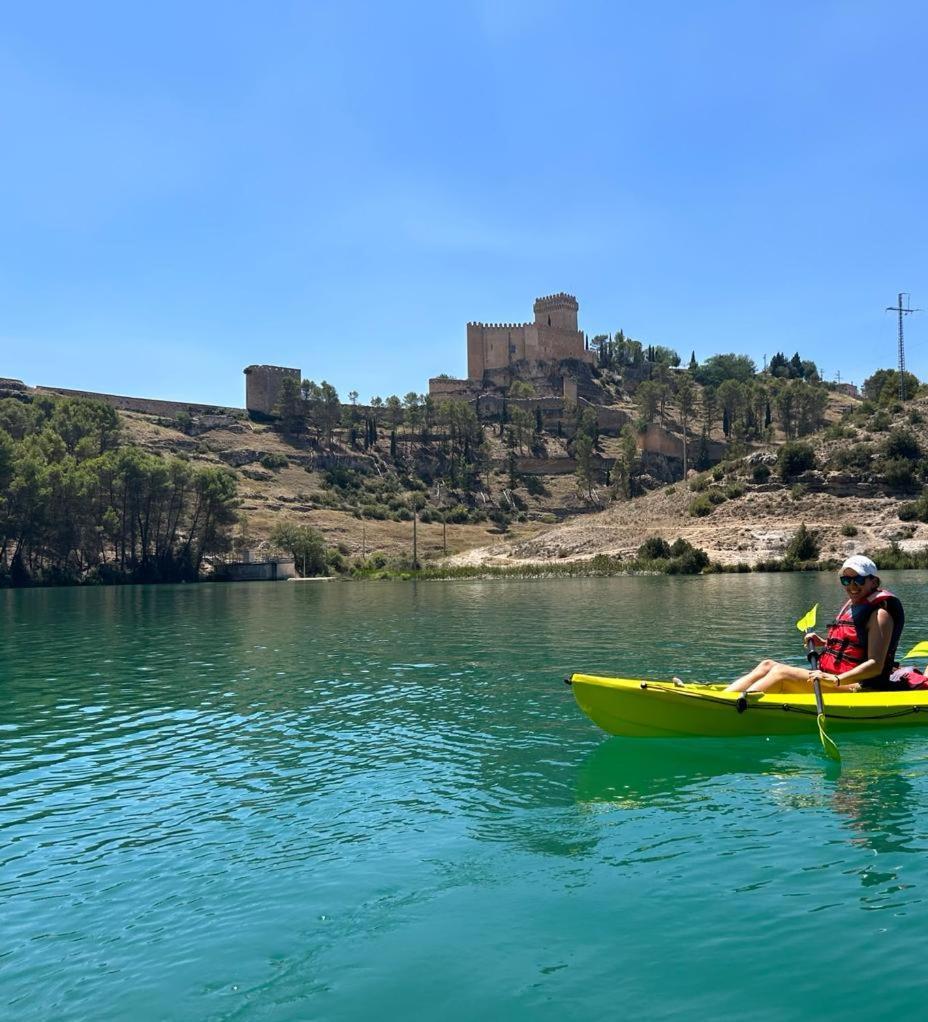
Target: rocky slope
<point x="848" y="499"/>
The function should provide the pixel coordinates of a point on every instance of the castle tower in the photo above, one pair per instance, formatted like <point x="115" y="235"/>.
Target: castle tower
<point x="262" y="387"/>
<point x="553" y="337"/>
<point x="557" y="311"/>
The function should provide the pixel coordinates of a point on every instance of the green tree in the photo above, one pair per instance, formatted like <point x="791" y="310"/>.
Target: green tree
<point x="732" y="397"/>
<point x="330" y="409"/>
<point x="883" y="386"/>
<point x="304" y="544"/>
<point x="627" y="464"/>
<point x="291" y="408"/>
<point x="719" y="368"/>
<point x="586" y="466"/>
<point x="686" y="402"/>
<point x="648" y="397"/>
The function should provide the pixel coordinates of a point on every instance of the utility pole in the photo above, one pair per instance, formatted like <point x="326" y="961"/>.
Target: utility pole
<point x="903" y="311"/>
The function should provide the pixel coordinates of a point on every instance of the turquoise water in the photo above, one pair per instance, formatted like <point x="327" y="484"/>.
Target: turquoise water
<point x="345" y="801"/>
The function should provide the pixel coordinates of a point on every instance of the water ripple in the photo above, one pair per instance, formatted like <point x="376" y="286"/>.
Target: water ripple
<point x="283" y="801"/>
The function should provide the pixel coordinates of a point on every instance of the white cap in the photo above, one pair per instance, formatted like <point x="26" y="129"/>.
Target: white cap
<point x="862" y="565"/>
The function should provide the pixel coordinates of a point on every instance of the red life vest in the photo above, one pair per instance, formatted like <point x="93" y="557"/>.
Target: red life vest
<point x="846" y="643"/>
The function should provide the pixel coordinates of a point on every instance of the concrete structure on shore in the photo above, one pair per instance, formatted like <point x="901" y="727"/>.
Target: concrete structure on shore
<point x="277" y="569"/>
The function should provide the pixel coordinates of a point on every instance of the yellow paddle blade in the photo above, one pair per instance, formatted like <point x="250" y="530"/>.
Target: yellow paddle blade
<point x="919" y="650"/>
<point x="807" y="621"/>
<point x="828" y="744"/>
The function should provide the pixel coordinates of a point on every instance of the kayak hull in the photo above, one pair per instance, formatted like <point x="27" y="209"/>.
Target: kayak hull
<point x="639" y="708"/>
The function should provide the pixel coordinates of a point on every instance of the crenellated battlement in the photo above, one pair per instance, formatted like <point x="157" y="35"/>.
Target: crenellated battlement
<point x="500" y="326"/>
<point x="561" y="300"/>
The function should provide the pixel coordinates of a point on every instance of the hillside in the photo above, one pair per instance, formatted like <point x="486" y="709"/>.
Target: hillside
<point x="851" y="501"/>
<point x="847" y="501"/>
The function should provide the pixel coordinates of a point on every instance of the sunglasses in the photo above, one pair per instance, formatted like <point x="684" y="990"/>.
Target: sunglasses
<point x="853" y="580"/>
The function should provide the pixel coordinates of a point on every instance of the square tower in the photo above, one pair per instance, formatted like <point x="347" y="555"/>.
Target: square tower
<point x="557" y="311"/>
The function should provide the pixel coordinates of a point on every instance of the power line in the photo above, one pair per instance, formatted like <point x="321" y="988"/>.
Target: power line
<point x="900" y="308"/>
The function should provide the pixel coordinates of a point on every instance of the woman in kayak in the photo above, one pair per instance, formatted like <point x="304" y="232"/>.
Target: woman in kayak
<point x="860" y="646"/>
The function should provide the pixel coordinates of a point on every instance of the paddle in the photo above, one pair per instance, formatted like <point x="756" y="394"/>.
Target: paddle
<point x="918" y="651"/>
<point x="806" y="624"/>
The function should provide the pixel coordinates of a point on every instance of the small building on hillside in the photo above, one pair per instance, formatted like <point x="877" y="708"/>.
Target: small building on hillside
<point x="262" y="387"/>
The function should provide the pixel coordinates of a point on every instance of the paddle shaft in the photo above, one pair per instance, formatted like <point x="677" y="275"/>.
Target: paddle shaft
<point x="813" y="657"/>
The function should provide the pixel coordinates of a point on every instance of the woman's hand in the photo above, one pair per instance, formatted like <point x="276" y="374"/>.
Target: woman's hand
<point x="824" y="677"/>
<point x="813" y="637"/>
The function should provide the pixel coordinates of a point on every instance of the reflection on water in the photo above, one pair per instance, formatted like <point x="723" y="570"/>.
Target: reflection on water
<point x="285" y="801"/>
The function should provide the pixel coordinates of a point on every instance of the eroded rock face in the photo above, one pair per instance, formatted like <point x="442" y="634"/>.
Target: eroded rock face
<point x="200" y="424"/>
<point x="241" y="456"/>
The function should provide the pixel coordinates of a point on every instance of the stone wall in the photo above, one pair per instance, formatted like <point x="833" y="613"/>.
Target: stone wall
<point x="149" y="406"/>
<point x="445" y="387"/>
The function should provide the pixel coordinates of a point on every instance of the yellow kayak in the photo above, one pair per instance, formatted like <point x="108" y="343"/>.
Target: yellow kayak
<point x="665" y="709"/>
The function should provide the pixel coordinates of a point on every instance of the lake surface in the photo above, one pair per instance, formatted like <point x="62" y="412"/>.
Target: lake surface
<point x="378" y="800"/>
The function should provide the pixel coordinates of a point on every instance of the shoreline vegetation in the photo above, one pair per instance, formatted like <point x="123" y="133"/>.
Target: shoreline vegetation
<point x="689" y="561"/>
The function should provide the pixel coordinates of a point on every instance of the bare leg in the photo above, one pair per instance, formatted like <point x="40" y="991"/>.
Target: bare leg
<point x="783" y="678"/>
<point x="747" y="680"/>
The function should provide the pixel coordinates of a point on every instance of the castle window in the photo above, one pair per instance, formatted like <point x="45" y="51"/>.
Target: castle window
<point x="549" y="321"/>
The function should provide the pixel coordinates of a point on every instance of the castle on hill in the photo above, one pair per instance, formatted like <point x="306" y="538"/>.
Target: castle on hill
<point x="498" y="353"/>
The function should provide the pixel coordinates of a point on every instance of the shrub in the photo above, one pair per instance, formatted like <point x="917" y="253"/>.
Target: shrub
<point x="798" y="491"/>
<point x="760" y="473"/>
<point x="716" y="496"/>
<point x="274" y="461"/>
<point x="692" y="562"/>
<point x="856" y="457"/>
<point x="902" y="443"/>
<point x="700" y="506"/>
<point x="379" y="512"/>
<point x="916" y="511"/>
<point x="898" y="473"/>
<point x="653" y="548"/>
<point x="794" y="458"/>
<point x="804" y="546"/>
<point x="670" y="491"/>
<point x="734" y="490"/>
<point x="848" y="530"/>
<point x="457" y="515"/>
<point x="718" y="473"/>
<point x="534" y="486"/>
<point x="699" y="484"/>
<point x="879" y="423"/>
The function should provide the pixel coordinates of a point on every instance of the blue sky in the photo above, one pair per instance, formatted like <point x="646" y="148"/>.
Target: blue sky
<point x="190" y="188"/>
